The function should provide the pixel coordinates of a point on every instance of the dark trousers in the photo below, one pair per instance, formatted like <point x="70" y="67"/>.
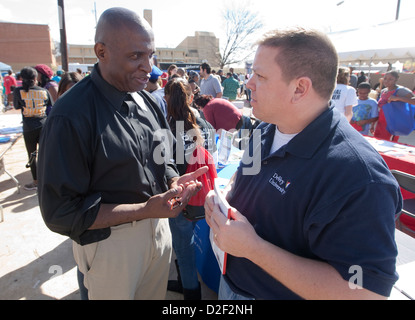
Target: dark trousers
<point x="31" y="140"/>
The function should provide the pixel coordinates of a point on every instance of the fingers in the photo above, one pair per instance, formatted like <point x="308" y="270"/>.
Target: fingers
<point x="214" y="217"/>
<point x="199" y="172"/>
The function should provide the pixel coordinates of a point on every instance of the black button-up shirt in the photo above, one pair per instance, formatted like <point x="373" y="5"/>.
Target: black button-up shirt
<point x="100" y="146"/>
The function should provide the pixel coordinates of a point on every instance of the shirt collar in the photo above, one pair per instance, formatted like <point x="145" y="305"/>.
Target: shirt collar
<point x="112" y="94"/>
<point x="306" y="143"/>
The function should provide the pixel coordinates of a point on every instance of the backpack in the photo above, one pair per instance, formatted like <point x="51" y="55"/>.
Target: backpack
<point x="195" y="208"/>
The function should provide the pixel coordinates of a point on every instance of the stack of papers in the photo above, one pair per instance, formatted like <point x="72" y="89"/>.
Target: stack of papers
<point x="225" y="208"/>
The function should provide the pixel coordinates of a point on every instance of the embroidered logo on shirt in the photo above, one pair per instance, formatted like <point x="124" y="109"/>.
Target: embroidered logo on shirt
<point x="279" y="183"/>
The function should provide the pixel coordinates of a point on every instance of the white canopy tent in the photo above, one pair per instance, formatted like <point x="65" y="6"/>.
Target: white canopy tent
<point x="4" y="67"/>
<point x="390" y="55"/>
<point x="384" y="43"/>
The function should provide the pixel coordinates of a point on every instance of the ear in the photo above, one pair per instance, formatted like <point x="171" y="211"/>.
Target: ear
<point x="302" y="88"/>
<point x="100" y="50"/>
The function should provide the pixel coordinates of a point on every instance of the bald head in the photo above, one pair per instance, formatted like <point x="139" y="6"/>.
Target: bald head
<point x="115" y="19"/>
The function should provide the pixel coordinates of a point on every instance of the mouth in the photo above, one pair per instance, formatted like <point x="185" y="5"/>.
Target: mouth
<point x="142" y="80"/>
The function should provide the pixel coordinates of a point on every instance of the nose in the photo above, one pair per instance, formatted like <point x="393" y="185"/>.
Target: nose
<point x="250" y="84"/>
<point x="147" y="65"/>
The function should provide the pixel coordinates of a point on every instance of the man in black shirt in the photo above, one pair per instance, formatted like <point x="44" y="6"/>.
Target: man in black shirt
<point x="103" y="177"/>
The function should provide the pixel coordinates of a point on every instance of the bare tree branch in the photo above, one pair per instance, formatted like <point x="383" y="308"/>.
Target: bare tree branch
<point x="241" y="26"/>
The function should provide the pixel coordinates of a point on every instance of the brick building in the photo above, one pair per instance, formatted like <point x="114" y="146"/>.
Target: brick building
<point x="24" y="45"/>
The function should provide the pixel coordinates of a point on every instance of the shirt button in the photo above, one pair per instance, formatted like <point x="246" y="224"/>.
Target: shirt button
<point x="154" y="184"/>
<point x="265" y="162"/>
<point x="141" y="137"/>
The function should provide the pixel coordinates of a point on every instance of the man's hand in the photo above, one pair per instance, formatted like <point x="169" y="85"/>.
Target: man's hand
<point x="189" y="183"/>
<point x="235" y="236"/>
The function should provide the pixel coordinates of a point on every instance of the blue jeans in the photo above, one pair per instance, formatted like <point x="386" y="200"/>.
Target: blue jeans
<point x="183" y="245"/>
<point x="226" y="293"/>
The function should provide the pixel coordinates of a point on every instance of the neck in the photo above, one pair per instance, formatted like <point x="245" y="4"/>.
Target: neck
<point x="301" y="120"/>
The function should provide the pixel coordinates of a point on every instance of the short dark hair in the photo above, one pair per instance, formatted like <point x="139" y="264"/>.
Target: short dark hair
<point x="206" y="66"/>
<point x="364" y="85"/>
<point x="305" y="52"/>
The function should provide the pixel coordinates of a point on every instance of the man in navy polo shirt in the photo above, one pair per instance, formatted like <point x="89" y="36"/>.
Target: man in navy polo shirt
<point x="317" y="221"/>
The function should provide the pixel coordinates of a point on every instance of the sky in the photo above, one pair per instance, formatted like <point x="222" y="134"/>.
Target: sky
<point x="174" y="20"/>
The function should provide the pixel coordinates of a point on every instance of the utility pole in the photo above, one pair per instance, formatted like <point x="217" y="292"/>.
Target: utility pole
<point x="397" y="9"/>
<point x="95" y="11"/>
<point x="64" y="46"/>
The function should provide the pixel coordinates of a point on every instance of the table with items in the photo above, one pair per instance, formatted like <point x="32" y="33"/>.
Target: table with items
<point x="400" y="157"/>
<point x="10" y="132"/>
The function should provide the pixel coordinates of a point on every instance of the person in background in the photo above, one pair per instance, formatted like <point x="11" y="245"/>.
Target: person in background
<point x="361" y="78"/>
<point x="33" y="101"/>
<point x="171" y="71"/>
<point x="68" y="80"/>
<point x="105" y="175"/>
<point x="195" y="90"/>
<point x="230" y="87"/>
<point x="222" y="77"/>
<point x="344" y="96"/>
<point x="181" y="72"/>
<point x="217" y="76"/>
<point x="191" y="131"/>
<point x="365" y="113"/>
<point x="390" y="88"/>
<point x="193" y="75"/>
<point x="156" y="90"/>
<point x="9" y="83"/>
<point x="352" y="79"/>
<point x="58" y="76"/>
<point x="44" y="79"/>
<point x="19" y="81"/>
<point x="286" y="240"/>
<point x="247" y="90"/>
<point x="220" y="113"/>
<point x="209" y="85"/>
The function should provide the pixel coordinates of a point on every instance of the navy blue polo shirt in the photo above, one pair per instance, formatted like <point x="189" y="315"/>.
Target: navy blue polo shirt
<point x="326" y="195"/>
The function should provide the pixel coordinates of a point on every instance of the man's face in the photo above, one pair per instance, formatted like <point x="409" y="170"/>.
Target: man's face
<point x="202" y="73"/>
<point x="270" y="91"/>
<point x="363" y="93"/>
<point x="128" y="59"/>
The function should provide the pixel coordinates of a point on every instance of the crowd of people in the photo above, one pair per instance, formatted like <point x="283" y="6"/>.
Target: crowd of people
<point x="363" y="106"/>
<point x="297" y="226"/>
<point x="34" y="90"/>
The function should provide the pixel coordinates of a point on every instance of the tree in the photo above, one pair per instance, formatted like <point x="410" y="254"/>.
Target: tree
<point x="241" y="26"/>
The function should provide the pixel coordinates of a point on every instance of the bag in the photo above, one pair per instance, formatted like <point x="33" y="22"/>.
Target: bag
<point x="399" y="117"/>
<point x="195" y="208"/>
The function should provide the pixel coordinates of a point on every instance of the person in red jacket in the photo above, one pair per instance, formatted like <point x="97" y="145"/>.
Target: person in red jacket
<point x="220" y="113"/>
<point x="10" y="84"/>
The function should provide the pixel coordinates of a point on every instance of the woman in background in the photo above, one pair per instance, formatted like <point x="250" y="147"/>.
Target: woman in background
<point x="344" y="96"/>
<point x="190" y="131"/>
<point x="390" y="87"/>
<point x="33" y="101"/>
<point x="44" y="79"/>
<point x="67" y="81"/>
